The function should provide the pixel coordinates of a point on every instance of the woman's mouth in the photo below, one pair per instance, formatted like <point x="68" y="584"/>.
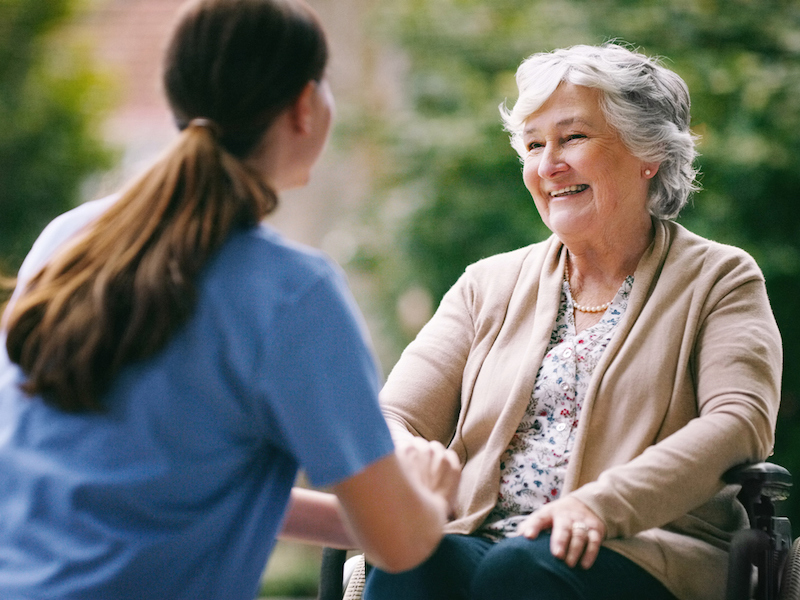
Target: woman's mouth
<point x="569" y="190"/>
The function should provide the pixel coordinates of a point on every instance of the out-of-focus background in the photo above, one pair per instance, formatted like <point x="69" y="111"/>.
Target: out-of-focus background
<point x="418" y="180"/>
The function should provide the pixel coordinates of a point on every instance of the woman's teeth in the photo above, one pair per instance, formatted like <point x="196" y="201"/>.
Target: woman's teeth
<point x="573" y="189"/>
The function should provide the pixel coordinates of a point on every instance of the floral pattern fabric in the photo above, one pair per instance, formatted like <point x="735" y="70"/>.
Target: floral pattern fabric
<point x="533" y="467"/>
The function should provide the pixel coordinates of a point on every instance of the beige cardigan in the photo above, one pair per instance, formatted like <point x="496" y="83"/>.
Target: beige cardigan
<point x="688" y="387"/>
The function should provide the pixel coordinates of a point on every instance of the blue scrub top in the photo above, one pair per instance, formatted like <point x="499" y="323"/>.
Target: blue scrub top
<point x="178" y="490"/>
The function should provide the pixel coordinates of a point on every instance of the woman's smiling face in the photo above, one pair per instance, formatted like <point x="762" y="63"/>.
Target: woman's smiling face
<point x="583" y="179"/>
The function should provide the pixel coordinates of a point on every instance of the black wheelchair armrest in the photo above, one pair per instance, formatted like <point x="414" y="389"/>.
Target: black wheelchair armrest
<point x="766" y="545"/>
<point x="767" y="479"/>
<point x="762" y="485"/>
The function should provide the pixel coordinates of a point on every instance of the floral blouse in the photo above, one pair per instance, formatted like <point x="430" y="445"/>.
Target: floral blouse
<point x="533" y="467"/>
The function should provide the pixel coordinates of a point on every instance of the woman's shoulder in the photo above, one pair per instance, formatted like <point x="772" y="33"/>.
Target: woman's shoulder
<point x="509" y="266"/>
<point x="489" y="283"/>
<point x="695" y="252"/>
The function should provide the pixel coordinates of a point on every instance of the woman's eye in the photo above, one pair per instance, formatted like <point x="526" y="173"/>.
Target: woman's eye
<point x="575" y="136"/>
<point x="534" y="146"/>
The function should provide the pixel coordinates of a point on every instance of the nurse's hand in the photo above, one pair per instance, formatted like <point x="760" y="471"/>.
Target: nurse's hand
<point x="576" y="532"/>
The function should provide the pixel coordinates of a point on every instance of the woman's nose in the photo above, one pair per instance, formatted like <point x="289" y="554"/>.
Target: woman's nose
<point x="551" y="161"/>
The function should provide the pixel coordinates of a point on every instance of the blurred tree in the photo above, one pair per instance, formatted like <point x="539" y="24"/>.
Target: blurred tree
<point x="50" y="104"/>
<point x="455" y="192"/>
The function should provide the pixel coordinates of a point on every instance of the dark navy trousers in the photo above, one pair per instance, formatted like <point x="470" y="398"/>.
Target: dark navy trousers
<point x="474" y="568"/>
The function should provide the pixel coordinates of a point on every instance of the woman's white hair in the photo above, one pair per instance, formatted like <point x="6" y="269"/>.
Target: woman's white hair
<point x="647" y="104"/>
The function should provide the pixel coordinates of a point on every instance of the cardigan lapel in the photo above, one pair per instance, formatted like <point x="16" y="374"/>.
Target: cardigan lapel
<point x="644" y="279"/>
<point x="545" y="306"/>
<point x="544" y="302"/>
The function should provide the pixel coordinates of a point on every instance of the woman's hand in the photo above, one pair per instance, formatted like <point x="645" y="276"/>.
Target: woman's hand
<point x="432" y="465"/>
<point x="575" y="531"/>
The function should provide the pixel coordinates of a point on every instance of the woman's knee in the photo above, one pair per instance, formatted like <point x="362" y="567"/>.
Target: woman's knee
<point x="519" y="568"/>
<point x="445" y="575"/>
<point x="395" y="586"/>
<point x="523" y="569"/>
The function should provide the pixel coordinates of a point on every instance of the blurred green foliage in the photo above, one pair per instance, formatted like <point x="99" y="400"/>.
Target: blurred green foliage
<point x="453" y="188"/>
<point x="51" y="103"/>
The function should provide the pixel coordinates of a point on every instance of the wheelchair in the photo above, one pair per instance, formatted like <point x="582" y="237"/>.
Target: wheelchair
<point x="763" y="564"/>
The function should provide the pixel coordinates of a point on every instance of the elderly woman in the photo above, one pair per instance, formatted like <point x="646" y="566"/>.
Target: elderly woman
<point x="598" y="384"/>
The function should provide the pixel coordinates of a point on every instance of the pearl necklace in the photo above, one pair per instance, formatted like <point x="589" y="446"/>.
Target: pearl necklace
<point x="579" y="307"/>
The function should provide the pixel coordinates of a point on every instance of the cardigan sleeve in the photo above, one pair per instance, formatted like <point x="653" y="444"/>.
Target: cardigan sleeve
<point x="422" y="394"/>
<point x="735" y="370"/>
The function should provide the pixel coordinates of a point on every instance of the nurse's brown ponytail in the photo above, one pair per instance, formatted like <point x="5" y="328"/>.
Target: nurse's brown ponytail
<point x="117" y="292"/>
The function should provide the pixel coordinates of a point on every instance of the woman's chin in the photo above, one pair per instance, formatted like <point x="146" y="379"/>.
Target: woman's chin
<point x="569" y="221"/>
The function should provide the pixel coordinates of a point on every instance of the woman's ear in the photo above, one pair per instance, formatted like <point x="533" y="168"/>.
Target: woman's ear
<point x="302" y="110"/>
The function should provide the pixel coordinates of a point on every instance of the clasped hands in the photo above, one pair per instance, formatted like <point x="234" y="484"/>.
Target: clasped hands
<point x="576" y="532"/>
<point x="433" y="466"/>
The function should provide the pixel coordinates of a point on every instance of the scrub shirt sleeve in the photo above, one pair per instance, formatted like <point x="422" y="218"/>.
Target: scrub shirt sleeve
<point x="322" y="384"/>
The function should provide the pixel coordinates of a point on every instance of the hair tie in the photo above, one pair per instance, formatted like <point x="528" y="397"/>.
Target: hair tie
<point x="208" y="124"/>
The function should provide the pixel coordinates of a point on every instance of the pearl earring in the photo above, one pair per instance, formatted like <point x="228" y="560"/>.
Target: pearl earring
<point x="647" y="172"/>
